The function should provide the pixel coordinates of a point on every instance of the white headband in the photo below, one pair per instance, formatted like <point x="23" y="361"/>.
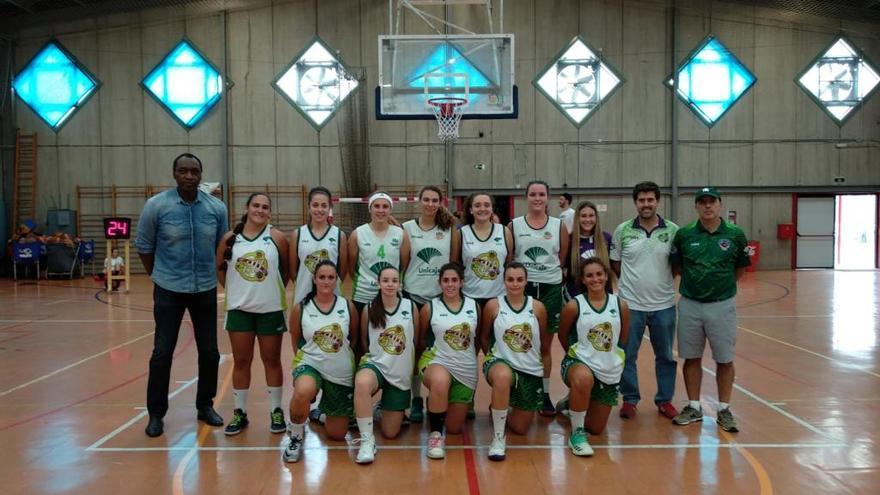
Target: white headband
<point x="379" y="195"/>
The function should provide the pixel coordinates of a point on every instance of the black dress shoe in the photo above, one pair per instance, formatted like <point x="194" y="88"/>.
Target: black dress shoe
<point x="210" y="416"/>
<point x="155" y="427"/>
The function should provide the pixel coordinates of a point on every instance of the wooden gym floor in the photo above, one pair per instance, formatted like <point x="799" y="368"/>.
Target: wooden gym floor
<point x="73" y="370"/>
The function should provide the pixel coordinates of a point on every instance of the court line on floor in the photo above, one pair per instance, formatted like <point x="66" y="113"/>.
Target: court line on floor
<point x="814" y="353"/>
<point x="563" y="446"/>
<point x="764" y="484"/>
<point x="72" y="365"/>
<point x="777" y="409"/>
<point x="177" y="481"/>
<point x="140" y="416"/>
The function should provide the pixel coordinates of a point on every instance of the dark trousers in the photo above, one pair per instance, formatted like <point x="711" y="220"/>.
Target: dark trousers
<point x="168" y="308"/>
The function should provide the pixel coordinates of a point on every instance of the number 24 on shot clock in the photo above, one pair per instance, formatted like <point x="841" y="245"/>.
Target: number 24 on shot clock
<point x="117" y="228"/>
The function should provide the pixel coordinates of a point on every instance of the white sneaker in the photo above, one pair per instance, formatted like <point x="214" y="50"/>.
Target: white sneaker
<point x="497" y="449"/>
<point x="293" y="451"/>
<point x="367" y="451"/>
<point x="436" y="445"/>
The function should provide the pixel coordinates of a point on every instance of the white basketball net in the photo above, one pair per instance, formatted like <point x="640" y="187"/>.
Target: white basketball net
<point x="448" y="112"/>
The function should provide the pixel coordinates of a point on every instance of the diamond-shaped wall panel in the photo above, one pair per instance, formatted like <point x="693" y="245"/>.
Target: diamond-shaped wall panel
<point x="316" y="83"/>
<point x="577" y="82"/>
<point x="54" y="84"/>
<point x="839" y="79"/>
<point x="712" y="80"/>
<point x="185" y="83"/>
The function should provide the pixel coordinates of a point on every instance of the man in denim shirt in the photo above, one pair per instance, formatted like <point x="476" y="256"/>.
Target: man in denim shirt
<point x="177" y="237"/>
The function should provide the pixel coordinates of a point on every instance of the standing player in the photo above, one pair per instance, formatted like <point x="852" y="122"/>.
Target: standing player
<point x="541" y="244"/>
<point x="252" y="265"/>
<point x="323" y="330"/>
<point x="314" y="242"/>
<point x="374" y="246"/>
<point x="485" y="249"/>
<point x="711" y="255"/>
<point x="448" y="329"/>
<point x="640" y="257"/>
<point x="388" y="334"/>
<point x="587" y="240"/>
<point x="516" y="343"/>
<point x="434" y="240"/>
<point x="592" y="327"/>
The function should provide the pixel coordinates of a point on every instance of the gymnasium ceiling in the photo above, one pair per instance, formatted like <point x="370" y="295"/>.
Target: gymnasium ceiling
<point x="15" y="13"/>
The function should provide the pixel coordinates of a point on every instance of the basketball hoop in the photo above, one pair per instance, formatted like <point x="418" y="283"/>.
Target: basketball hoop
<point x="448" y="111"/>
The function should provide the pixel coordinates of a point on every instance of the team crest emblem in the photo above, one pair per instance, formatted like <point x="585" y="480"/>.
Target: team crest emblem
<point x="664" y="237"/>
<point x="486" y="266"/>
<point x="393" y="340"/>
<point x="313" y="259"/>
<point x="329" y="339"/>
<point x="519" y="337"/>
<point x="724" y="244"/>
<point x="548" y="235"/>
<point x="253" y="267"/>
<point x="439" y="236"/>
<point x="601" y="336"/>
<point x="458" y="337"/>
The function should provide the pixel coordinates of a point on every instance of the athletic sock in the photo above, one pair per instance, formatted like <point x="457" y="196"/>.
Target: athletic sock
<point x="240" y="396"/>
<point x="577" y="419"/>
<point x="437" y="421"/>
<point x="297" y="430"/>
<point x="499" y="421"/>
<point x="416" y="387"/>
<point x="274" y="398"/>
<point x="723" y="405"/>
<point x="695" y="404"/>
<point x="365" y="426"/>
<point x="546" y="383"/>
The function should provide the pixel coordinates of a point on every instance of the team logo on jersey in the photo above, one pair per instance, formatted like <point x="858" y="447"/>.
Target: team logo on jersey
<point x="663" y="237"/>
<point x="341" y="312"/>
<point x="519" y="337"/>
<point x="313" y="259"/>
<point x="439" y="236"/>
<point x="724" y="244"/>
<point x="329" y="338"/>
<point x="486" y="266"/>
<point x="393" y="340"/>
<point x="395" y="242"/>
<point x="458" y="337"/>
<point x="497" y="240"/>
<point x="253" y="267"/>
<point x="601" y="336"/>
<point x="548" y="235"/>
<point x="613" y="311"/>
<point x="535" y="252"/>
<point x="378" y="267"/>
<point x="428" y="253"/>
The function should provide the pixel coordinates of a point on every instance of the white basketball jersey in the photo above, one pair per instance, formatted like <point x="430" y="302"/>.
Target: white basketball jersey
<point x="311" y="251"/>
<point x="538" y="250"/>
<point x="516" y="337"/>
<point x="324" y="343"/>
<point x="430" y="249"/>
<point x="483" y="262"/>
<point x="454" y="334"/>
<point x="595" y="342"/>
<point x="392" y="349"/>
<point x="374" y="254"/>
<point x="253" y="275"/>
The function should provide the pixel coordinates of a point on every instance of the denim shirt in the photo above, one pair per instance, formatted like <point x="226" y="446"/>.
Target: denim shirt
<point x="183" y="238"/>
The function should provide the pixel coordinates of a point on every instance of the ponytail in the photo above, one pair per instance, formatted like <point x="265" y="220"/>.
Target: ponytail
<point x="442" y="218"/>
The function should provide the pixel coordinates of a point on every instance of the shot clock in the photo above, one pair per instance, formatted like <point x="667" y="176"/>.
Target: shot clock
<point x="117" y="228"/>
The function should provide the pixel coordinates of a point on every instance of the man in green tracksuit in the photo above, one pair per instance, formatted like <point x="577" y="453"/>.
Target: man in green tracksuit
<point x="710" y="255"/>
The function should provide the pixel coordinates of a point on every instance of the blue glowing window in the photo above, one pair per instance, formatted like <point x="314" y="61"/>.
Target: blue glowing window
<point x="54" y="84"/>
<point x="186" y="84"/>
<point x="712" y="80"/>
<point x="839" y="79"/>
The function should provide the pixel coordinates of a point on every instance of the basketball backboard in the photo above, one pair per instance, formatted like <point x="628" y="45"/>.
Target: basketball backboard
<point x="416" y="68"/>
